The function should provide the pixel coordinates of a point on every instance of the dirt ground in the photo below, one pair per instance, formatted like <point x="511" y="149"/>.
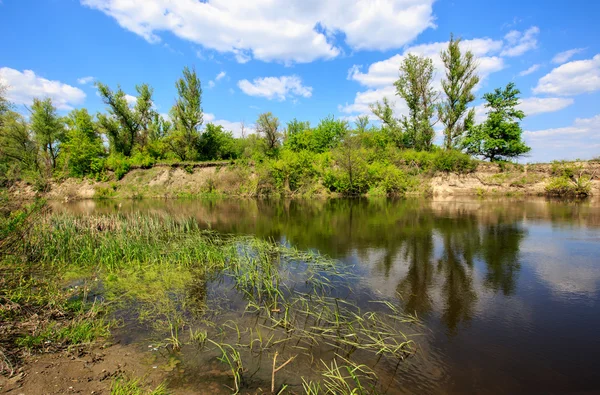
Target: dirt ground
<point x="81" y="371"/>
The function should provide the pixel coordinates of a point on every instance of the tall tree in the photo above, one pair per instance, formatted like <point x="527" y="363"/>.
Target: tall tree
<point x="187" y="115"/>
<point x="458" y="85"/>
<point x="124" y="125"/>
<point x="500" y="136"/>
<point x="48" y="128"/>
<point x="267" y="126"/>
<point x="415" y="87"/>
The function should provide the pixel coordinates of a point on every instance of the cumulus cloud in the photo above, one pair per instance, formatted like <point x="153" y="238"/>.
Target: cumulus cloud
<point x="579" y="140"/>
<point x="530" y="106"/>
<point x="379" y="77"/>
<point x="518" y="43"/>
<point x="85" y="80"/>
<point x="279" y="88"/>
<point x="563" y="57"/>
<point x="234" y="127"/>
<point x="573" y="78"/>
<point x="530" y="70"/>
<point x="275" y="30"/>
<point x="538" y="105"/>
<point x="22" y="87"/>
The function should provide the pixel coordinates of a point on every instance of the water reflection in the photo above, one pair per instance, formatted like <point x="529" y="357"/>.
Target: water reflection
<point x="509" y="289"/>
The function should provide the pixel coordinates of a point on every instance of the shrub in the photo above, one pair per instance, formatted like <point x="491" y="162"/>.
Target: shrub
<point x="119" y="164"/>
<point x="454" y="161"/>
<point x="564" y="186"/>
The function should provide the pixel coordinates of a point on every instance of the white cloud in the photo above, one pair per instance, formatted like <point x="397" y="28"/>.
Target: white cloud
<point x="518" y="43"/>
<point x="234" y="127"/>
<point x="573" y="78"/>
<point x="580" y="140"/>
<point x="131" y="100"/>
<point x="563" y="57"/>
<point x="530" y="106"/>
<point x="380" y="76"/>
<point x="22" y="87"/>
<point x="530" y="70"/>
<point x="275" y="30"/>
<point x="220" y="76"/>
<point x="275" y="87"/>
<point x="538" y="105"/>
<point x="85" y="80"/>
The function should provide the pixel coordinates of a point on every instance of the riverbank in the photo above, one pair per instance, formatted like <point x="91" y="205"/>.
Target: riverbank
<point x="227" y="179"/>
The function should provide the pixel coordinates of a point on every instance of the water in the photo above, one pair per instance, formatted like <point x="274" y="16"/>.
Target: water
<point x="508" y="290"/>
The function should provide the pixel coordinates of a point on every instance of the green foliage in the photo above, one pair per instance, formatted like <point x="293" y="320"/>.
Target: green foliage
<point x="48" y="129"/>
<point x="126" y="126"/>
<point x="453" y="161"/>
<point x="83" y="146"/>
<point x="460" y="80"/>
<point x="128" y="386"/>
<point x="217" y="143"/>
<point x="328" y="134"/>
<point x="565" y="186"/>
<point x="18" y="150"/>
<point x="267" y="126"/>
<point x="499" y="137"/>
<point x="119" y="164"/>
<point x="187" y="116"/>
<point x="415" y="87"/>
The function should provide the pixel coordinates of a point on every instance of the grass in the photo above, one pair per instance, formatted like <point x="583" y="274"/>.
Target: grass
<point x="170" y="275"/>
<point x="128" y="386"/>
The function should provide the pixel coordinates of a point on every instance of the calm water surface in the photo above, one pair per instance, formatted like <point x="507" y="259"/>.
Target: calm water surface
<point x="508" y="289"/>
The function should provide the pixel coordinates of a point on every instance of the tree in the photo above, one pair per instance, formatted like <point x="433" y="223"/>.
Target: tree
<point x="124" y="125"/>
<point x="47" y="128"/>
<point x="415" y="86"/>
<point x="460" y="80"/>
<point x="361" y="123"/>
<point x="17" y="146"/>
<point x="499" y="137"/>
<point x="328" y="134"/>
<point x="267" y="126"/>
<point x="187" y="116"/>
<point x="83" y="144"/>
<point x="217" y="143"/>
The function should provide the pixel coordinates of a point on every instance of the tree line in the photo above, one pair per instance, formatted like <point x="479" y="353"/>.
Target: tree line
<point x="46" y="144"/>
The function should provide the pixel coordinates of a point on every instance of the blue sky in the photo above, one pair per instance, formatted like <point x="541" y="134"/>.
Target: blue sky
<point x="309" y="58"/>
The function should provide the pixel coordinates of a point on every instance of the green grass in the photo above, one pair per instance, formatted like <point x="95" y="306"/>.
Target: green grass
<point x="127" y="386"/>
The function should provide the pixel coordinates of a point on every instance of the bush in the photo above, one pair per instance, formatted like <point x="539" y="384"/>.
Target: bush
<point x="119" y="164"/>
<point x="564" y="186"/>
<point x="454" y="161"/>
<point x="142" y="160"/>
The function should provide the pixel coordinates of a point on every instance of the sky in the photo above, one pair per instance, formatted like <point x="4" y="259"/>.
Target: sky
<point x="308" y="59"/>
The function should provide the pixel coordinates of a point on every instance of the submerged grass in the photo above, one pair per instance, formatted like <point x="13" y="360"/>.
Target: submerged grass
<point x="239" y="297"/>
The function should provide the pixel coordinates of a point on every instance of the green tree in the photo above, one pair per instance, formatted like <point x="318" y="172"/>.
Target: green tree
<point x="414" y="86"/>
<point x="48" y="129"/>
<point x="267" y="126"/>
<point x="187" y="116"/>
<point x="458" y="85"/>
<point x="298" y="135"/>
<point x="83" y="144"/>
<point x="500" y="136"/>
<point x="217" y="143"/>
<point x="124" y="125"/>
<point x="18" y="150"/>
<point x="391" y="126"/>
<point x="328" y="134"/>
